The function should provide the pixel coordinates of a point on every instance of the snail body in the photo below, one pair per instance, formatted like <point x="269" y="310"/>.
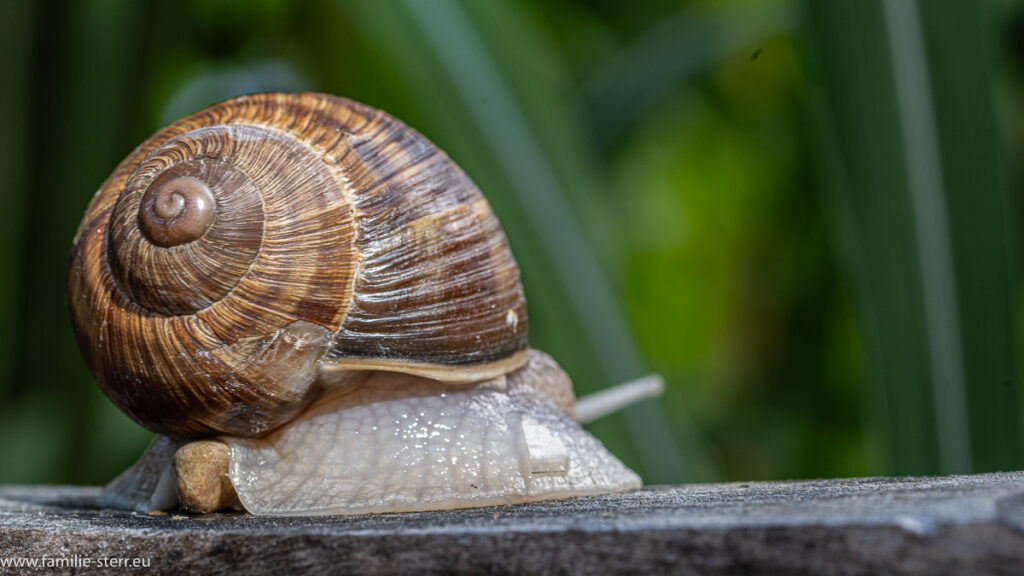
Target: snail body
<point x="299" y="275"/>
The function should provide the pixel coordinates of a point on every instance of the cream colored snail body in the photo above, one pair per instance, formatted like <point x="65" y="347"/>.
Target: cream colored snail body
<point x="318" y="312"/>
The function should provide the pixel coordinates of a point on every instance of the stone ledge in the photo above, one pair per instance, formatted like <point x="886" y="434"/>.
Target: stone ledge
<point x="937" y="525"/>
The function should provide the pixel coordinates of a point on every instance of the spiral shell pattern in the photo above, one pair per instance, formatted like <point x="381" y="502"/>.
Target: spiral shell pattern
<point x="211" y="259"/>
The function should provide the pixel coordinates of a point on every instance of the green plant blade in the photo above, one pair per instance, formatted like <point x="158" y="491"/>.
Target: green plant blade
<point x="652" y="67"/>
<point x="911" y="158"/>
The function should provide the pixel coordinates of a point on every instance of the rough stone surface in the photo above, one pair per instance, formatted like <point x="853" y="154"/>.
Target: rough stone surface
<point x="941" y="525"/>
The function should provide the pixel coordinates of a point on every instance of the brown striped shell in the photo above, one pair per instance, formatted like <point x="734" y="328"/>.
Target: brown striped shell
<point x="246" y="256"/>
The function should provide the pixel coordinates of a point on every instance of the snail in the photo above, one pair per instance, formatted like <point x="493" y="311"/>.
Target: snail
<point x="317" y="312"/>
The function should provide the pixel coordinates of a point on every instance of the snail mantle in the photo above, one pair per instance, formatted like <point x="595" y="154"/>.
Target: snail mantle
<point x="942" y="525"/>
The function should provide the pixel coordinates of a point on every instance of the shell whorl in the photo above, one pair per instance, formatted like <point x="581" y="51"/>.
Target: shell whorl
<point x="177" y="209"/>
<point x="241" y="249"/>
<point x="278" y="247"/>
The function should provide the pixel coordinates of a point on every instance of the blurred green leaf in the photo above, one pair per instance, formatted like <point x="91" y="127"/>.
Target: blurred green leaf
<point x="981" y="226"/>
<point x="15" y="75"/>
<point x="912" y="160"/>
<point x="690" y="42"/>
<point x="216" y="83"/>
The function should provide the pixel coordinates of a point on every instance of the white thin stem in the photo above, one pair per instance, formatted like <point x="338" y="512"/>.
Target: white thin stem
<point x="600" y="404"/>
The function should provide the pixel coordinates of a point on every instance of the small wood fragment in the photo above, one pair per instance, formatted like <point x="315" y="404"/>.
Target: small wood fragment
<point x="201" y="476"/>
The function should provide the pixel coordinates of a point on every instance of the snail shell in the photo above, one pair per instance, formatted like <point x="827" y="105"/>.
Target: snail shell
<point x="245" y="255"/>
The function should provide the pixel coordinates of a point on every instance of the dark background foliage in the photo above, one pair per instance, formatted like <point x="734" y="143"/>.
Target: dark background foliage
<point x="802" y="213"/>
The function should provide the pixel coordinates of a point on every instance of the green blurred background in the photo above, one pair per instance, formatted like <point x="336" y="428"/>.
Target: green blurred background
<point x="803" y="214"/>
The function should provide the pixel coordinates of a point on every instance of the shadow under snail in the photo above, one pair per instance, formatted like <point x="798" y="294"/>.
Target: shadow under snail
<point x="317" y="312"/>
